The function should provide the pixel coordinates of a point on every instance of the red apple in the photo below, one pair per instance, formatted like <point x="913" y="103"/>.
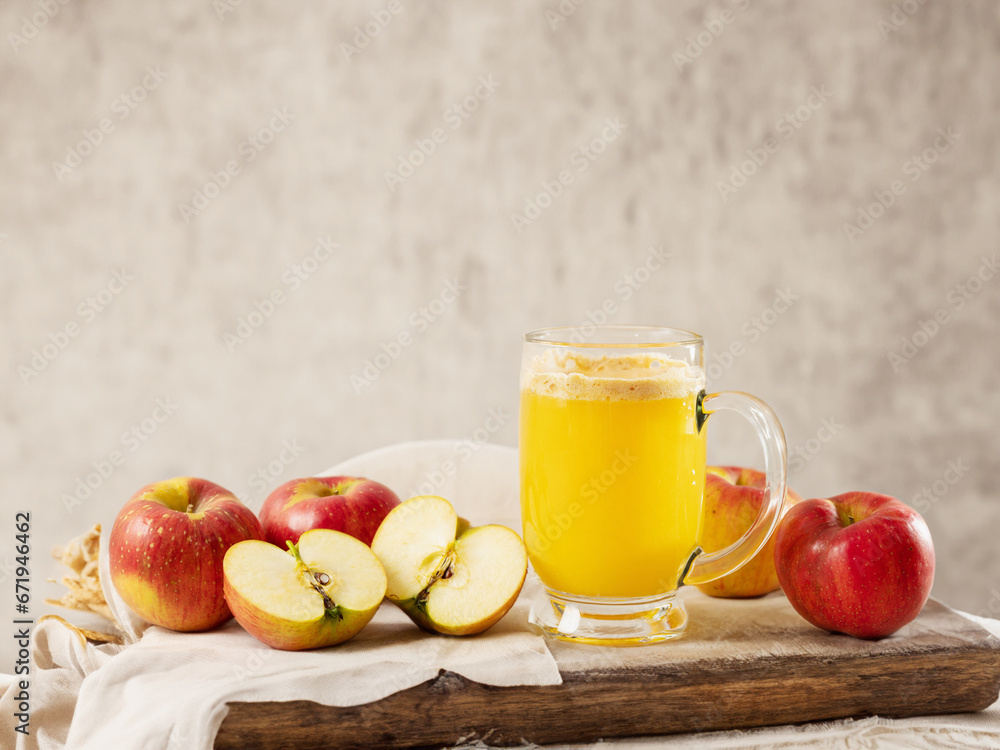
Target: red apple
<point x="353" y="505"/>
<point x="858" y="563"/>
<point x="167" y="547"/>
<point x="733" y="499"/>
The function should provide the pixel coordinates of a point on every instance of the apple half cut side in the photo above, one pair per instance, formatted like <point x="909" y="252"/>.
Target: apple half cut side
<point x="447" y="576"/>
<point x="317" y="593"/>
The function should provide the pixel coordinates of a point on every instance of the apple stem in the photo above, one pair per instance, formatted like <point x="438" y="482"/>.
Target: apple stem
<point x="190" y="508"/>
<point x="332" y="609"/>
<point x="847" y="518"/>
<point x="443" y="572"/>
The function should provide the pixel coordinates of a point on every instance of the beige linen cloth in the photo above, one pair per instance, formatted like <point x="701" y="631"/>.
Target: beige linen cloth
<point x="169" y="690"/>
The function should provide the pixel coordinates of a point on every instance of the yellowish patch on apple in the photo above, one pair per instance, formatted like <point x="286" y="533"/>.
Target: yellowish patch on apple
<point x="141" y="596"/>
<point x="172" y="492"/>
<point x="309" y="489"/>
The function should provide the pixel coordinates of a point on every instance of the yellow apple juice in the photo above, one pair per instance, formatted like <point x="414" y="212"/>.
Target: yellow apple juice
<point x="612" y="471"/>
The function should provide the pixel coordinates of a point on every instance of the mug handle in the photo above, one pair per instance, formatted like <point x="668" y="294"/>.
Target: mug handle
<point x="702" y="567"/>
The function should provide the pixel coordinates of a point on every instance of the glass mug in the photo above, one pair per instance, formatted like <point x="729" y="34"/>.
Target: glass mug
<point x="612" y="462"/>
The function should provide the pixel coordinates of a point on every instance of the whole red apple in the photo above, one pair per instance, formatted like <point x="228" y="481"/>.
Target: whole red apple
<point x="858" y="563"/>
<point x="353" y="505"/>
<point x="167" y="547"/>
<point x="733" y="499"/>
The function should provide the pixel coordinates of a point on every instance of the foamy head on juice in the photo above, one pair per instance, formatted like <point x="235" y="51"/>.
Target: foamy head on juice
<point x="610" y="377"/>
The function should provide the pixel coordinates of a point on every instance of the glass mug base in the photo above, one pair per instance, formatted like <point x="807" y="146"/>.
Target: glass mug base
<point x="605" y="621"/>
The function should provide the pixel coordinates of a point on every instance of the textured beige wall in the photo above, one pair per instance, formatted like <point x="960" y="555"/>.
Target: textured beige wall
<point x="841" y="99"/>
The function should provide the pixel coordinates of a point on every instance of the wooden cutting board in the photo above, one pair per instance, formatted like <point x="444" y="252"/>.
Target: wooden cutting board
<point x="740" y="664"/>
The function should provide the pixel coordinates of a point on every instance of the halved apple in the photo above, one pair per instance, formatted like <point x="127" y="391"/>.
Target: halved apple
<point x="319" y="592"/>
<point x="448" y="576"/>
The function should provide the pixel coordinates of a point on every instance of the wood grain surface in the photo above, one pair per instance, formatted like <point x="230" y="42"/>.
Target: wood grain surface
<point x="740" y="665"/>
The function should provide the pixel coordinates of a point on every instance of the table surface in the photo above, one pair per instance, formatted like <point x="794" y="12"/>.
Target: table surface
<point x="742" y="664"/>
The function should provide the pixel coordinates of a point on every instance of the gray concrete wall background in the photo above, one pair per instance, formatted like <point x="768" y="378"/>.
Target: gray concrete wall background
<point x="885" y="93"/>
